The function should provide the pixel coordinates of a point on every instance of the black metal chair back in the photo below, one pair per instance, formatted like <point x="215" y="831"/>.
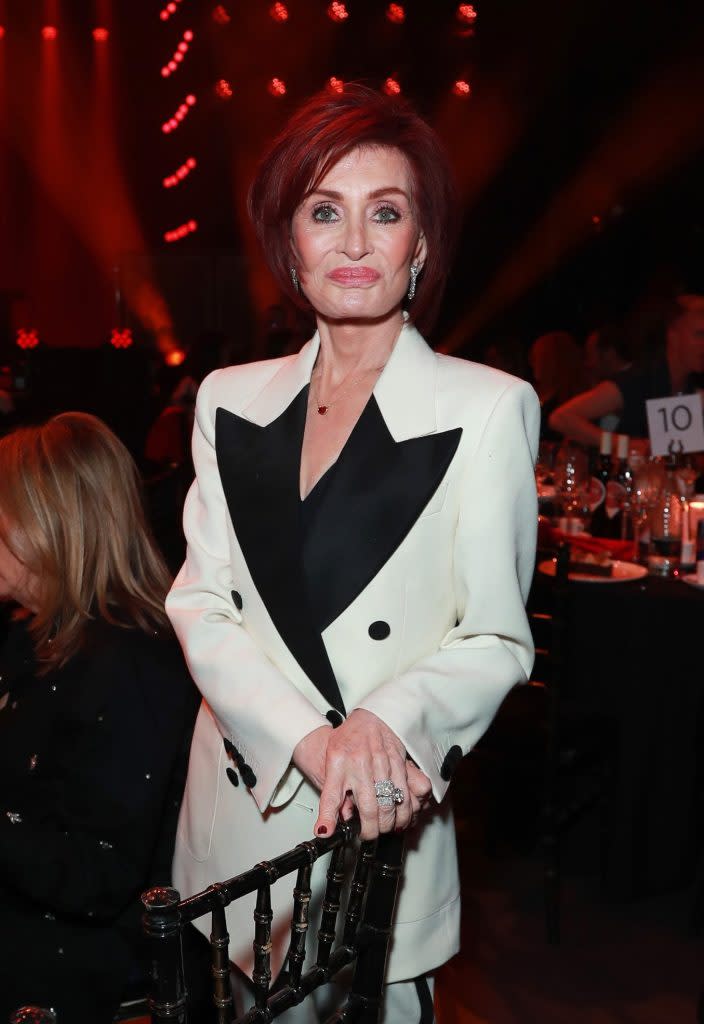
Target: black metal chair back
<point x="365" y="935"/>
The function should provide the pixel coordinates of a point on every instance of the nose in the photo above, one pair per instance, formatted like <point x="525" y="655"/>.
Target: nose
<point x="355" y="242"/>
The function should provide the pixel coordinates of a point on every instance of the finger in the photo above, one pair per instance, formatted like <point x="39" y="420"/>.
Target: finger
<point x="367" y="809"/>
<point x="419" y="783"/>
<point x="414" y="809"/>
<point x="347" y="810"/>
<point x="332" y="797"/>
<point x="400" y="781"/>
<point x="386" y="814"/>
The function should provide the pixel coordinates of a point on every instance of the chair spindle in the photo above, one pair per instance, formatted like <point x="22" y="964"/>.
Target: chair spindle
<point x="261" y="975"/>
<point x="162" y="926"/>
<point x="220" y="951"/>
<point x="299" y="919"/>
<point x="331" y="906"/>
<point x="358" y="888"/>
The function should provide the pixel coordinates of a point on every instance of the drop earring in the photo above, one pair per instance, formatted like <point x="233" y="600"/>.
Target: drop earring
<point x="295" y="281"/>
<point x="415" y="271"/>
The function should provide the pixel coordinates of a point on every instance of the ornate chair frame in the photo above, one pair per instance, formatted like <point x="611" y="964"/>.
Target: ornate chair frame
<point x="365" y="938"/>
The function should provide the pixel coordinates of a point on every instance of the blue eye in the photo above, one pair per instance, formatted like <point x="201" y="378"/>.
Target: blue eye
<point x="387" y="215"/>
<point x="324" y="214"/>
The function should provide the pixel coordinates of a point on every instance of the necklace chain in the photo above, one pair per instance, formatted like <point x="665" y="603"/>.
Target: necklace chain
<point x="323" y="408"/>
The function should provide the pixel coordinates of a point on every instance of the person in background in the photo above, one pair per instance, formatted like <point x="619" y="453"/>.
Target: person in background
<point x="96" y="714"/>
<point x="556" y="362"/>
<point x="606" y="354"/>
<point x="625" y="396"/>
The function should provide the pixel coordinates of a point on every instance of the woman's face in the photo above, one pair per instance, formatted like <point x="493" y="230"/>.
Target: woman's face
<point x="356" y="236"/>
<point x="17" y="582"/>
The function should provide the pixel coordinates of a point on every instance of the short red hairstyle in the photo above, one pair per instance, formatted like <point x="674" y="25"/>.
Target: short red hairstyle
<point x="323" y="131"/>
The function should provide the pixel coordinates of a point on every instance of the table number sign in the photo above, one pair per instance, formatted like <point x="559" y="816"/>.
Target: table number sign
<point x="675" y="424"/>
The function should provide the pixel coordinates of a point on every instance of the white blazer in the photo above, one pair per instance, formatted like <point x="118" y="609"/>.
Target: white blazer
<point x="407" y="599"/>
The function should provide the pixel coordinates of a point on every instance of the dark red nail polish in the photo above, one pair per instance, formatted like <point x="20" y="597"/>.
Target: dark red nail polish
<point x="322" y="830"/>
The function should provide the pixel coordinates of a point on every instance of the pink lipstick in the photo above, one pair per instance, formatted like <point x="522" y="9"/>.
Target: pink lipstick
<point x="354" y="276"/>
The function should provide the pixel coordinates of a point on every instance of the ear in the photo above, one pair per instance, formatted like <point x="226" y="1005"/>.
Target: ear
<point x="421" y="251"/>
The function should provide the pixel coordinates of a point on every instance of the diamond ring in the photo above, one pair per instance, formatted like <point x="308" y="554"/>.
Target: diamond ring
<point x="387" y="794"/>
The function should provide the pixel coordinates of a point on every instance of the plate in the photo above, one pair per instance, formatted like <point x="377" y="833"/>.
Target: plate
<point x="691" y="578"/>
<point x="621" y="572"/>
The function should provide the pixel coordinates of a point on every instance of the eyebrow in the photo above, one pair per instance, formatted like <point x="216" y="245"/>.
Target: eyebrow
<point x="388" y="190"/>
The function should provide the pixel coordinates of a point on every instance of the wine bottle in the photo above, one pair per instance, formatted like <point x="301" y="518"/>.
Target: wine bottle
<point x="600" y="522"/>
<point x="622" y="489"/>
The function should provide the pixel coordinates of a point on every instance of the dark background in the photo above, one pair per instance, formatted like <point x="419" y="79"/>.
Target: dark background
<point x="579" y="156"/>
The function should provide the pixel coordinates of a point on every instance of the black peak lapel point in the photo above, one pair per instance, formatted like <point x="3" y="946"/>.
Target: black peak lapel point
<point x="259" y="469"/>
<point x="378" y="490"/>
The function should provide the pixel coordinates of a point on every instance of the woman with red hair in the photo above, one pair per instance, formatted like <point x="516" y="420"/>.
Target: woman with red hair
<point x="361" y="538"/>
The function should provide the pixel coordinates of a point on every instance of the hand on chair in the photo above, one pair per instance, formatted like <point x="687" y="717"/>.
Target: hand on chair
<point x="365" y="766"/>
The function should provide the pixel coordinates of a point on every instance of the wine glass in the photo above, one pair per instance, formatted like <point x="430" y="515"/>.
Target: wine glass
<point x="571" y="485"/>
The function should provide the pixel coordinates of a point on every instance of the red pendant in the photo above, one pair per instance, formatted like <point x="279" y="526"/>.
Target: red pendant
<point x="322" y="409"/>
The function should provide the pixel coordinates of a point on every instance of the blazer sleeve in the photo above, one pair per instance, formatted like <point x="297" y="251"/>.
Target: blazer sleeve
<point x="442" y="705"/>
<point x="254" y="704"/>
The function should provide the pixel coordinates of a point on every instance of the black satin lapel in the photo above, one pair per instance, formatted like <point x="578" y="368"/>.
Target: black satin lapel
<point x="378" y="490"/>
<point x="259" y="469"/>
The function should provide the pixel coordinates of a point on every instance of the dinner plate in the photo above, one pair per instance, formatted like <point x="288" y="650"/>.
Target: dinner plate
<point x="691" y="578"/>
<point x="621" y="572"/>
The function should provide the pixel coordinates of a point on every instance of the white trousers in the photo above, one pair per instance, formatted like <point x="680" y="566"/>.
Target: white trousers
<point x="405" y="1002"/>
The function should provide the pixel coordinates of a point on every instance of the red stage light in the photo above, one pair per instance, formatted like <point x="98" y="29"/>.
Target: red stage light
<point x="179" y="115"/>
<point x="279" y="12"/>
<point x="170" y="9"/>
<point x="462" y="89"/>
<point x="223" y="89"/>
<point x="100" y="34"/>
<point x="165" y="72"/>
<point x="27" y="338"/>
<point x="181" y="231"/>
<point x="220" y="15"/>
<point x="391" y="87"/>
<point x="336" y="84"/>
<point x="396" y="14"/>
<point x="121" y="338"/>
<point x="188" y="35"/>
<point x="466" y="14"/>
<point x="2" y="31"/>
<point x="175" y="357"/>
<point x="338" y="11"/>
<point x="49" y="32"/>
<point x="277" y="87"/>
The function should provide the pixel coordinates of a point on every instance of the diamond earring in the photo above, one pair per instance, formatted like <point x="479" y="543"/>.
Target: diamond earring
<point x="415" y="271"/>
<point x="295" y="281"/>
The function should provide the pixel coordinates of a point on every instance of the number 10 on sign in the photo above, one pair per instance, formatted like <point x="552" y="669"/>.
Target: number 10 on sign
<point x="675" y="424"/>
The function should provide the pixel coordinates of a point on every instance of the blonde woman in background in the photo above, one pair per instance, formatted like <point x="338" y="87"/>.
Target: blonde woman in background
<point x="96" y="710"/>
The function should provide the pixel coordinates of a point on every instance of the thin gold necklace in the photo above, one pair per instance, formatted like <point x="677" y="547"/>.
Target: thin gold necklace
<point x="322" y="409"/>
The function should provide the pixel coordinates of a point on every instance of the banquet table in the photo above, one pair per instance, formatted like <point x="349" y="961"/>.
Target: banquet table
<point x="636" y="651"/>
